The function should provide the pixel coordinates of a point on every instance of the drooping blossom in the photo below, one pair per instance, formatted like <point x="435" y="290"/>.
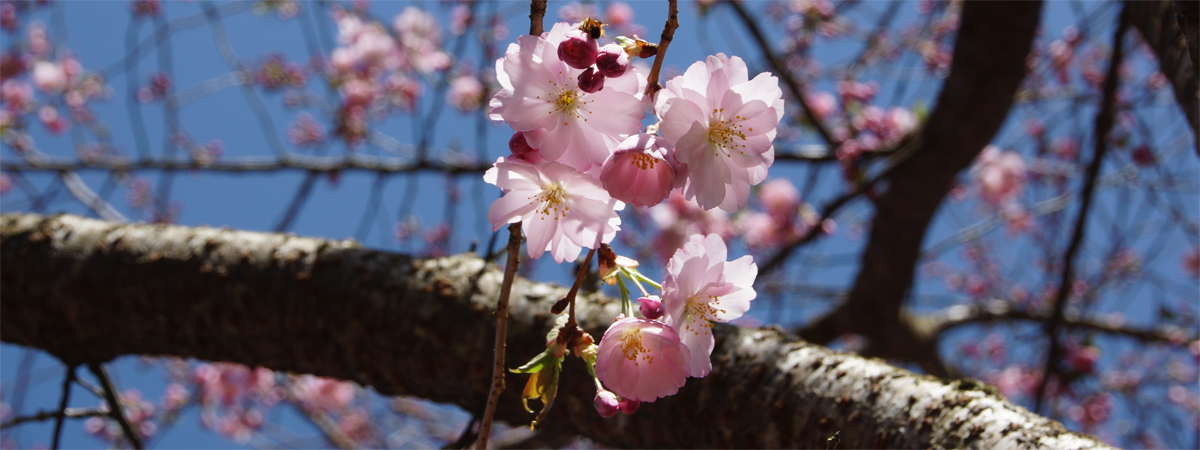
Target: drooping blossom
<point x="641" y="171"/>
<point x="606" y="404"/>
<point x="540" y="96"/>
<point x="702" y="287"/>
<point x="721" y="123"/>
<point x="563" y="210"/>
<point x="642" y="360"/>
<point x="1000" y="175"/>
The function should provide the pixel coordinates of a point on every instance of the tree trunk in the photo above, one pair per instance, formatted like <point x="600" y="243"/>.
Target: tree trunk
<point x="89" y="291"/>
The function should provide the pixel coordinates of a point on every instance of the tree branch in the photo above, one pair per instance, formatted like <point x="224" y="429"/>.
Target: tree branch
<point x="416" y="327"/>
<point x="989" y="64"/>
<point x="1156" y="21"/>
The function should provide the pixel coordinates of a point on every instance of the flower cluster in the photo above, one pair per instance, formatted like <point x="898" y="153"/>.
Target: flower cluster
<point x="580" y="153"/>
<point x="577" y="108"/>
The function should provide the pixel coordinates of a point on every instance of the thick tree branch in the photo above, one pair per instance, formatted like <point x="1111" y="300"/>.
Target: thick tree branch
<point x="989" y="64"/>
<point x="1157" y="22"/>
<point x="88" y="291"/>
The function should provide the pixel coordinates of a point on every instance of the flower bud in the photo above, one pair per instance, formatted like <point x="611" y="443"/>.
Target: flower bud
<point x="578" y="50"/>
<point x="612" y="61"/>
<point x="590" y="81"/>
<point x="606" y="404"/>
<point x="640" y="171"/>
<point x="651" y="307"/>
<point x="628" y="406"/>
<point x="521" y="150"/>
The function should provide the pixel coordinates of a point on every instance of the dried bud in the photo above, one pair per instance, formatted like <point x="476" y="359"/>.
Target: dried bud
<point x="651" y="307"/>
<point x="612" y="61"/>
<point x="607" y="260"/>
<point x="636" y="47"/>
<point x="590" y="81"/>
<point x="578" y="50"/>
<point x="559" y="306"/>
<point x="606" y="404"/>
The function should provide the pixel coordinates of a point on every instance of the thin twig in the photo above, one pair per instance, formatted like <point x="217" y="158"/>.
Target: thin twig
<point x="587" y="262"/>
<point x="85" y="195"/>
<point x="781" y="70"/>
<point x="115" y="410"/>
<point x="537" y="11"/>
<point x="904" y="150"/>
<point x="42" y="416"/>
<point x="510" y="272"/>
<point x="68" y="378"/>
<point x="664" y="40"/>
<point x="1104" y="124"/>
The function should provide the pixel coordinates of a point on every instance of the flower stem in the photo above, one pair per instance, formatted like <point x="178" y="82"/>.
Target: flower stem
<point x="626" y="305"/>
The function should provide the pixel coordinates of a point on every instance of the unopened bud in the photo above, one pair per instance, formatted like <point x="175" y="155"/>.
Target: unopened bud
<point x="651" y="307"/>
<point x="590" y="81"/>
<point x="628" y="406"/>
<point x="606" y="404"/>
<point x="578" y="50"/>
<point x="612" y="61"/>
<point x="521" y="149"/>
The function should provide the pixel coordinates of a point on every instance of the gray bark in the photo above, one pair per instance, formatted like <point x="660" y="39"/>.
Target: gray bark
<point x="88" y="291"/>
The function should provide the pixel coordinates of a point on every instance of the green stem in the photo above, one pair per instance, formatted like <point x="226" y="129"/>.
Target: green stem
<point x="637" y="277"/>
<point x="626" y="304"/>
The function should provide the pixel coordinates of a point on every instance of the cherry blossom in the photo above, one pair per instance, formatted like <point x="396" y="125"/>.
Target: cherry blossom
<point x="642" y="360"/>
<point x="540" y="96"/>
<point x="563" y="210"/>
<point x="641" y="171"/>
<point x="702" y="287"/>
<point x="721" y="123"/>
<point x="1001" y="175"/>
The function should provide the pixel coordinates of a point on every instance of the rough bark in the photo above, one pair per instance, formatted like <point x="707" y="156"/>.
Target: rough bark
<point x="88" y="291"/>
<point x="989" y="64"/>
<point x="1158" y="21"/>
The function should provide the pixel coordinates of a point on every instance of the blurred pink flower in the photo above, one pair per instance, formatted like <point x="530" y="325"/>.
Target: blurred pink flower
<point x="1000" y="175"/>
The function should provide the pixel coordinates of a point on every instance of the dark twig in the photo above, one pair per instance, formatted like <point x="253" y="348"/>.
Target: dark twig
<point x="781" y="70"/>
<point x="1104" y="124"/>
<point x="668" y="33"/>
<point x="68" y="378"/>
<point x="510" y="272"/>
<point x="537" y="11"/>
<point x="587" y="262"/>
<point x="903" y="151"/>
<point x="115" y="411"/>
<point x="42" y="416"/>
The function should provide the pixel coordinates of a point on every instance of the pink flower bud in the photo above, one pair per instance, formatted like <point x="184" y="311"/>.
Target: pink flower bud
<point x="590" y="81"/>
<point x="521" y="150"/>
<point x="606" y="404"/>
<point x="578" y="50"/>
<point x="629" y="406"/>
<point x="612" y="61"/>
<point x="651" y="307"/>
<point x="641" y="171"/>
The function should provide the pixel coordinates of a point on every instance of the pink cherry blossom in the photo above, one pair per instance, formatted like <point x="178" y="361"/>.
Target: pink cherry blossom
<point x="540" y="96"/>
<point x="677" y="218"/>
<point x="701" y="287"/>
<point x="612" y="61"/>
<point x="563" y="210"/>
<point x="1000" y="175"/>
<point x="641" y="171"/>
<point x="721" y="123"/>
<point x="322" y="394"/>
<point x="465" y="94"/>
<point x="641" y="360"/>
<point x="578" y="50"/>
<point x="49" y="77"/>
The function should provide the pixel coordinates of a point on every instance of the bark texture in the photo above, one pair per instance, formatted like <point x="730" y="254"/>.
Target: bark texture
<point x="1159" y="23"/>
<point x="989" y="63"/>
<point x="88" y="291"/>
